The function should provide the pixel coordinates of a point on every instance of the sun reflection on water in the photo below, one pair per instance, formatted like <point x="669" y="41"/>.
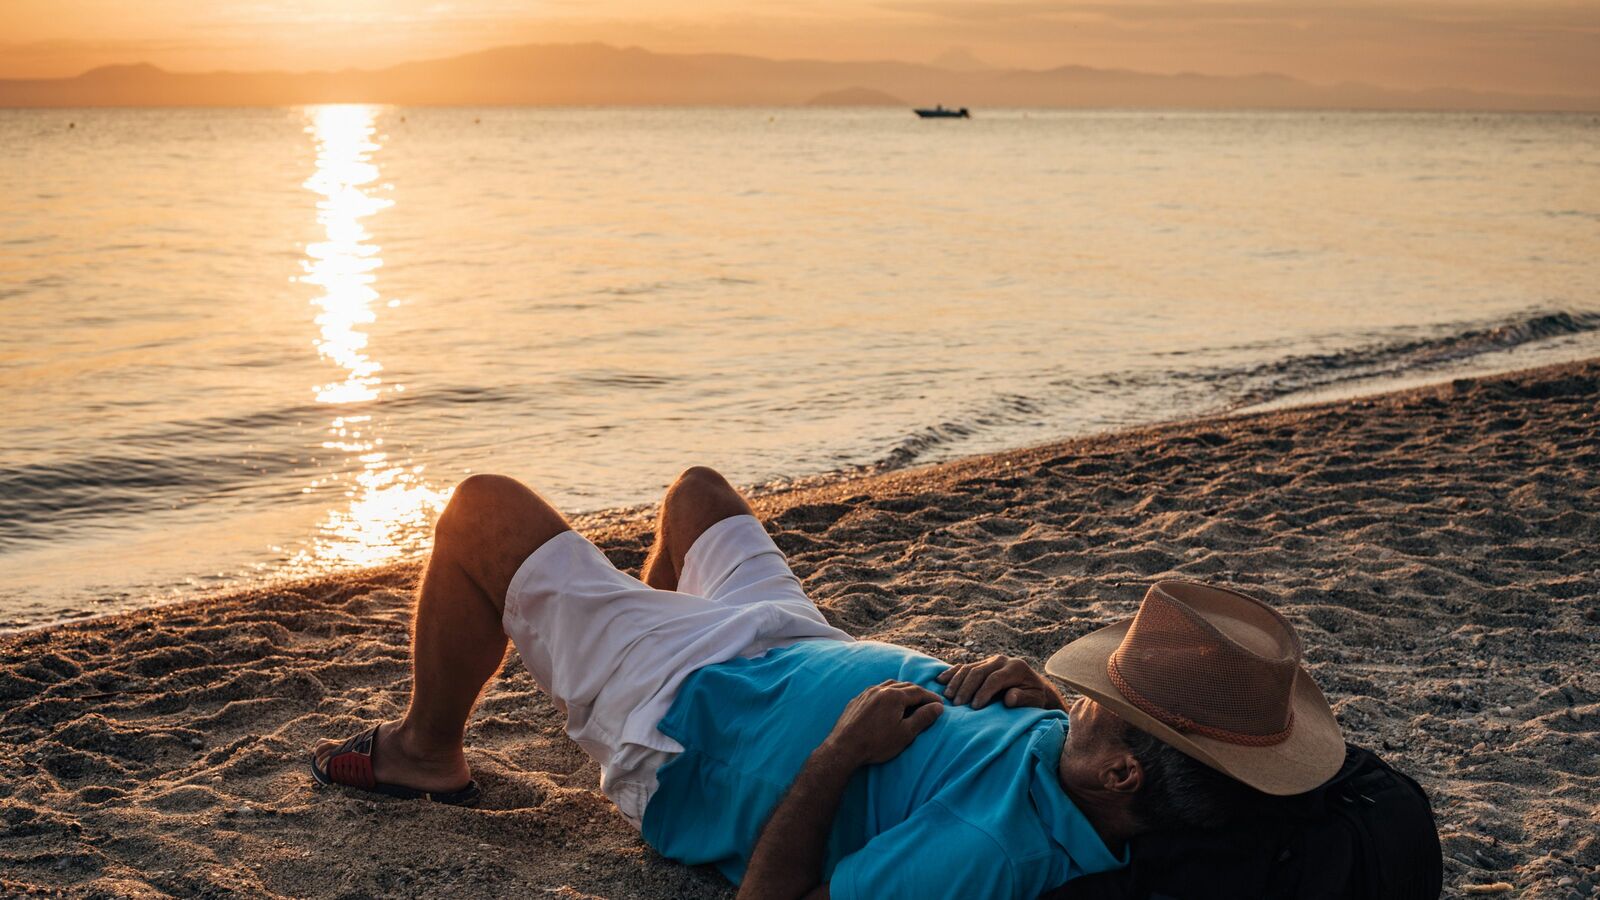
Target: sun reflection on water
<point x="388" y="504"/>
<point x="344" y="264"/>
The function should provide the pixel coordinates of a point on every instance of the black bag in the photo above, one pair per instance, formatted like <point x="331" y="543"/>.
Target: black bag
<point x="1366" y="834"/>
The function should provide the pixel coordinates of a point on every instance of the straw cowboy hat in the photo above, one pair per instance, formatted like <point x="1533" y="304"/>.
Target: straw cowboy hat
<point x="1217" y="675"/>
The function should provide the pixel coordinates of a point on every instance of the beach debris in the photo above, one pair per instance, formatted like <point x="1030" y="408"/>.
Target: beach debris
<point x="1498" y="887"/>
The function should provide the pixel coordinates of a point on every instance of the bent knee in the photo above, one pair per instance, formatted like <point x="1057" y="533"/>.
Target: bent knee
<point x="485" y="489"/>
<point x="700" y="478"/>
<point x="698" y="499"/>
<point x="478" y="500"/>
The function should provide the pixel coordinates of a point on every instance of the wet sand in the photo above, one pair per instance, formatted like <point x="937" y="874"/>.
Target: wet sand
<point x="1436" y="548"/>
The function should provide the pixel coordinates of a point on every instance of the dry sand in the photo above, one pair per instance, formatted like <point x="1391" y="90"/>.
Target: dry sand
<point x="1437" y="549"/>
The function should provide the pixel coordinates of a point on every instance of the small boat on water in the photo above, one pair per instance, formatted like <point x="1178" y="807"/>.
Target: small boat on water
<point x="939" y="112"/>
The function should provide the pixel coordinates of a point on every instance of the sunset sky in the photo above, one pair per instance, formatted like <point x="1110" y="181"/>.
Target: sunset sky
<point x="1514" y="45"/>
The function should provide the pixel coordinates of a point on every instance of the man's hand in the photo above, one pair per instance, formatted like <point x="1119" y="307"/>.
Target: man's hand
<point x="1005" y="677"/>
<point x="882" y="721"/>
<point x="879" y="723"/>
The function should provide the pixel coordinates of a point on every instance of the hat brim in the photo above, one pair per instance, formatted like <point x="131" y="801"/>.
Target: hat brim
<point x="1311" y="754"/>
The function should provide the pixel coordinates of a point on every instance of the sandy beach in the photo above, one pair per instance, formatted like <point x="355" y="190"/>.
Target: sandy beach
<point x="1436" y="548"/>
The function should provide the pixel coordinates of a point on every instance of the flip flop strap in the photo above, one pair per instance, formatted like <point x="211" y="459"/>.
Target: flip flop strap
<point x="351" y="763"/>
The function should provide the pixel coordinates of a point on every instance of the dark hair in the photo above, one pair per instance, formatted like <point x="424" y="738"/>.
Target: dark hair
<point x="1179" y="791"/>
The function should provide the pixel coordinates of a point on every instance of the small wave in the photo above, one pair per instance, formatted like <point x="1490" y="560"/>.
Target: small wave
<point x="44" y="500"/>
<point x="1141" y="395"/>
<point x="247" y="426"/>
<point x="1574" y="214"/>
<point x="452" y="395"/>
<point x="1006" y="409"/>
<point x="182" y="463"/>
<point x="624" y="380"/>
<point x="634" y="290"/>
<point x="1268" y="381"/>
<point x="662" y="287"/>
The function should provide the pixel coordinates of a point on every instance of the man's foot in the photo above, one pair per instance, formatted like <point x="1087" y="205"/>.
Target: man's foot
<point x="395" y="762"/>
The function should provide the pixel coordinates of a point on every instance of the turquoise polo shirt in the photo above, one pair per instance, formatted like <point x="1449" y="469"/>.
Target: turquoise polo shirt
<point x="971" y="809"/>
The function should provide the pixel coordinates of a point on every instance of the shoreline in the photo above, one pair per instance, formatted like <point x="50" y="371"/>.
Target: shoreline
<point x="1435" y="546"/>
<point x="610" y="522"/>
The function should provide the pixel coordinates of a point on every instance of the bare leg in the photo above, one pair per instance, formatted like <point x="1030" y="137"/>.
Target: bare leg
<point x="699" y="499"/>
<point x="490" y="526"/>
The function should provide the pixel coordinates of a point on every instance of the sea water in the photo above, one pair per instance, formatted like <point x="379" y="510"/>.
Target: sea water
<point x="246" y="344"/>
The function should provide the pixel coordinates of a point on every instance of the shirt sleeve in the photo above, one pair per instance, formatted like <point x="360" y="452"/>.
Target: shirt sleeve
<point x="929" y="856"/>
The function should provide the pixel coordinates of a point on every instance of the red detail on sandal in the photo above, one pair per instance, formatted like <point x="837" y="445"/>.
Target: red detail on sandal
<point x="351" y="763"/>
<point x="354" y="769"/>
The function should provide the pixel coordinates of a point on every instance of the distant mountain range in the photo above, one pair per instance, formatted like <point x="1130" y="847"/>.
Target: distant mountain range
<point x="602" y="75"/>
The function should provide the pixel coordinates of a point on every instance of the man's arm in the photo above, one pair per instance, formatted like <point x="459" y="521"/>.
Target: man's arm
<point x="874" y="728"/>
<point x="1011" y="680"/>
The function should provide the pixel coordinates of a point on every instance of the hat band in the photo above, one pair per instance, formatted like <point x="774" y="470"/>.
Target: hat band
<point x="1188" y="725"/>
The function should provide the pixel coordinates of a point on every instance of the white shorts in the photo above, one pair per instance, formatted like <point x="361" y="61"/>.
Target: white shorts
<point x="611" y="651"/>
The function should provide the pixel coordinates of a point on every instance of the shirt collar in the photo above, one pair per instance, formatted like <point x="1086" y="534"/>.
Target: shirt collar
<point x="1067" y="825"/>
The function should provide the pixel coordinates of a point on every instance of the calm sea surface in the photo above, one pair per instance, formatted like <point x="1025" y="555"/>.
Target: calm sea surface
<point x="243" y="344"/>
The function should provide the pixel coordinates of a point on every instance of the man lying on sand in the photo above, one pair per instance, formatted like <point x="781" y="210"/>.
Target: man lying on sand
<point x="734" y="726"/>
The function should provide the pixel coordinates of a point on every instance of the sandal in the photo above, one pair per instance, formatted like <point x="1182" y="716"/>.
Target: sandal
<point x="350" y="765"/>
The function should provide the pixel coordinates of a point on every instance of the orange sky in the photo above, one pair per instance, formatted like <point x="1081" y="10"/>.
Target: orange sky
<point x="1515" y="45"/>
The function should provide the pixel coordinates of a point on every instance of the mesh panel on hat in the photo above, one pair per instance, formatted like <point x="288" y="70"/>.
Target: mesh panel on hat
<point x="1185" y="672"/>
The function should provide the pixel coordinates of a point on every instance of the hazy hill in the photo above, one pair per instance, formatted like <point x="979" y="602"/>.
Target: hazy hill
<point x="598" y="74"/>
<point x="960" y="59"/>
<point x="855" y="96"/>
